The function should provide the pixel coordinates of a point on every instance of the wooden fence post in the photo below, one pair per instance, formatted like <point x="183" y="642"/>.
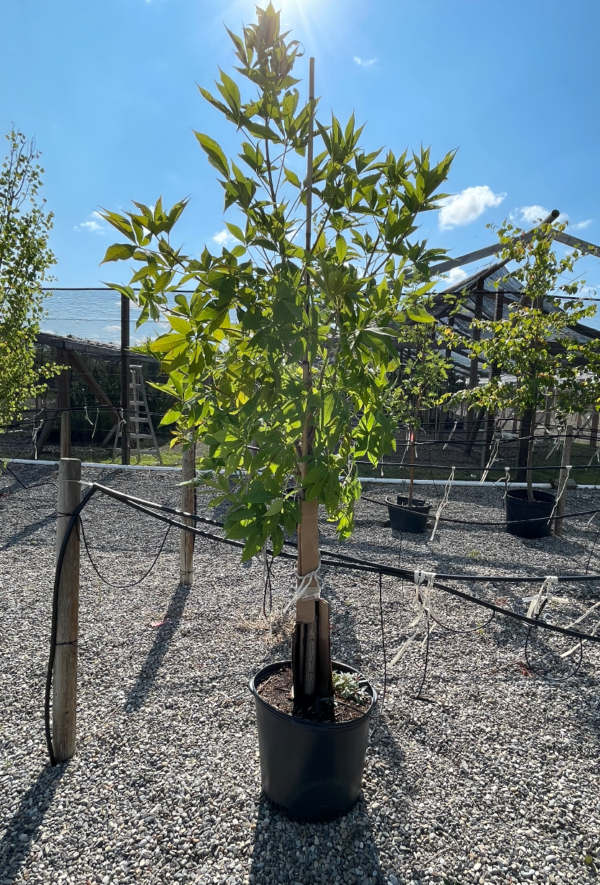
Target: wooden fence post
<point x="64" y="405"/>
<point x="64" y="698"/>
<point x="186" y="539"/>
<point x="562" y="479"/>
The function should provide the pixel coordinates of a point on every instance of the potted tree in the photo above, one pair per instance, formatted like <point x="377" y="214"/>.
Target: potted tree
<point x="279" y="362"/>
<point x="535" y="352"/>
<point x="420" y="384"/>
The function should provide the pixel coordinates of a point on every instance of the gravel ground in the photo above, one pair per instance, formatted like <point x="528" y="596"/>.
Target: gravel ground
<point x="491" y="776"/>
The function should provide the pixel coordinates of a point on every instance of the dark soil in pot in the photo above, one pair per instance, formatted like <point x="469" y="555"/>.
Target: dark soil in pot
<point x="310" y="770"/>
<point x="408" y="519"/>
<point x="276" y="690"/>
<point x="529" y="519"/>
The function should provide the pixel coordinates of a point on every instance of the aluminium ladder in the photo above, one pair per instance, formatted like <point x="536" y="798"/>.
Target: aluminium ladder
<point x="139" y="415"/>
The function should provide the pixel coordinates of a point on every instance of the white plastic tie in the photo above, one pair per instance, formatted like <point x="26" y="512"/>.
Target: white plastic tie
<point x="561" y="490"/>
<point x="423" y="586"/>
<point x="537" y="601"/>
<point x="491" y="460"/>
<point x="443" y="502"/>
<point x="308" y="587"/>
<point x="506" y="480"/>
<point x="591" y="632"/>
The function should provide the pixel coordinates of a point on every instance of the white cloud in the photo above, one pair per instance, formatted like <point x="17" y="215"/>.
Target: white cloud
<point x="467" y="206"/>
<point x="364" y="63"/>
<point x="581" y="225"/>
<point x="223" y="238"/>
<point x="94" y="224"/>
<point x="455" y="275"/>
<point x="533" y="215"/>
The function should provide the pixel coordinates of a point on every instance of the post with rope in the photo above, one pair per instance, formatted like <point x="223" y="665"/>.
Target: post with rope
<point x="563" y="478"/>
<point x="64" y="697"/>
<point x="188" y="498"/>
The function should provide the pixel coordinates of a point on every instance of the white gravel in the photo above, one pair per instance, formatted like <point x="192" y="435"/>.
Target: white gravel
<point x="493" y="778"/>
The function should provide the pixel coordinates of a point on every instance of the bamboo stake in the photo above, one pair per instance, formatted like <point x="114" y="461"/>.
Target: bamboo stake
<point x="186" y="539"/>
<point x="308" y="530"/>
<point x="64" y="698"/>
<point x="562" y="479"/>
<point x="64" y="404"/>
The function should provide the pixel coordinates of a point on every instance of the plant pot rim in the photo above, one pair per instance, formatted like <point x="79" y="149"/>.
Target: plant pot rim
<point x="540" y="496"/>
<point x="304" y="723"/>
<point x="414" y="507"/>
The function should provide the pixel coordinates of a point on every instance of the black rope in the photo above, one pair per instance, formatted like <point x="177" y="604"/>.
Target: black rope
<point x="419" y="696"/>
<point x="366" y="566"/>
<point x="268" y="585"/>
<point x="122" y="586"/>
<point x="543" y="673"/>
<point x="383" y="648"/>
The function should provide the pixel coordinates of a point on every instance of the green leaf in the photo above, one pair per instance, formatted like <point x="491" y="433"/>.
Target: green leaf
<point x="275" y="508"/>
<point x="170" y="417"/>
<point x="235" y="230"/>
<point x="231" y="90"/>
<point x="214" y="153"/>
<point x="292" y="177"/>
<point x="419" y="315"/>
<point x="341" y="248"/>
<point x="118" y="252"/>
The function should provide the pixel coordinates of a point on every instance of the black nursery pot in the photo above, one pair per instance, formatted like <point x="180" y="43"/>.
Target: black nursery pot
<point x="408" y="519"/>
<point x="311" y="770"/>
<point x="519" y="509"/>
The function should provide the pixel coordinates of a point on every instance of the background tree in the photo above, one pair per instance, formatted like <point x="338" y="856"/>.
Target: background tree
<point x="281" y="358"/>
<point x="24" y="261"/>
<point x="421" y="382"/>
<point x="535" y="348"/>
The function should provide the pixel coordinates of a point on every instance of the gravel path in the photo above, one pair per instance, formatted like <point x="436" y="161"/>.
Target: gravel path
<point x="492" y="776"/>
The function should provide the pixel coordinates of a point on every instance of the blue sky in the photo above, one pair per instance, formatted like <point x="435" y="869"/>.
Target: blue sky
<point x="109" y="92"/>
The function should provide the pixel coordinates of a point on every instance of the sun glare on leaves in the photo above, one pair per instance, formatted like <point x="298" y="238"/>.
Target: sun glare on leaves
<point x="306" y="19"/>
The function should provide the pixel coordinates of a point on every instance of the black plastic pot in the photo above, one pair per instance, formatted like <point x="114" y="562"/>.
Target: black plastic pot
<point x="311" y="770"/>
<point x="408" y="519"/>
<point x="519" y="510"/>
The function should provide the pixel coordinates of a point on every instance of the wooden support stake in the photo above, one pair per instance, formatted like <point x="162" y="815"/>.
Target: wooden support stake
<point x="562" y="479"/>
<point x="324" y="682"/>
<point x="64" y="698"/>
<point x="186" y="539"/>
<point x="64" y="404"/>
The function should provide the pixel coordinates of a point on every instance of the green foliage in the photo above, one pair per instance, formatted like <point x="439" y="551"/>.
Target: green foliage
<point x="24" y="261"/>
<point x="282" y="358"/>
<point x="348" y="686"/>
<point x="536" y="344"/>
<point x="422" y="379"/>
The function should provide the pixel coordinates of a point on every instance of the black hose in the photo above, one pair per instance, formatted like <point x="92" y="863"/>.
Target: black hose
<point x="354" y="564"/>
<point x="54" y="630"/>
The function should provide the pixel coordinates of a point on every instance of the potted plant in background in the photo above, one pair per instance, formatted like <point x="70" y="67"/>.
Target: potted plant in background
<point x="420" y="384"/>
<point x="279" y="362"/>
<point x="536" y="352"/>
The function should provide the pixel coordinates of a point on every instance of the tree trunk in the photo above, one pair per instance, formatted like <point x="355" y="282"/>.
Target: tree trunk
<point x="412" y="470"/>
<point x="529" y="466"/>
<point x="527" y="428"/>
<point x="311" y="651"/>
